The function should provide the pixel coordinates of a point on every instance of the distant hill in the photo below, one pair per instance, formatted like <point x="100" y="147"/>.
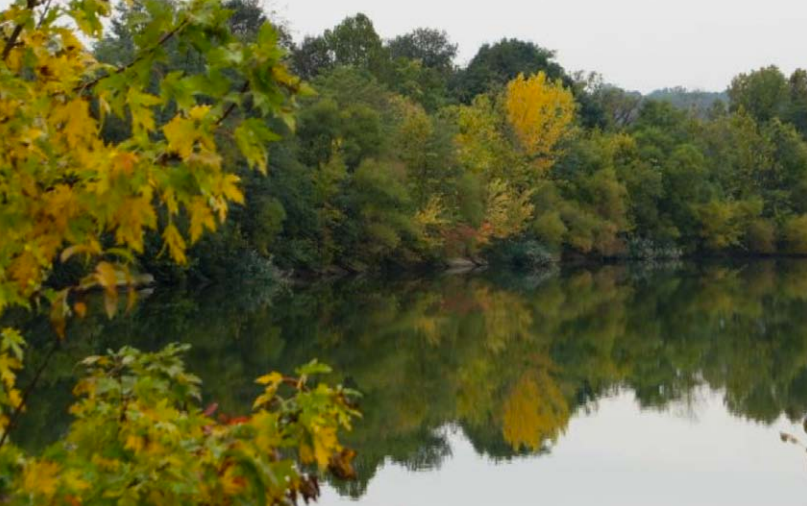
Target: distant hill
<point x="697" y="100"/>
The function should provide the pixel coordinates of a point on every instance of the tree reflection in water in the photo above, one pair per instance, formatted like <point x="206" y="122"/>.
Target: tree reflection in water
<point x="506" y="358"/>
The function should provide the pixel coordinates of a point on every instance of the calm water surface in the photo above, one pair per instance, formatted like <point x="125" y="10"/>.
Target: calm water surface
<point x="629" y="385"/>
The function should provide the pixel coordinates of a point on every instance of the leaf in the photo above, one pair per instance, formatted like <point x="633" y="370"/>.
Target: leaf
<point x="181" y="135"/>
<point x="230" y="189"/>
<point x="80" y="308"/>
<point x="111" y="304"/>
<point x="251" y="137"/>
<point x="312" y="368"/>
<point x="201" y="218"/>
<point x="272" y="378"/>
<point x="140" y="106"/>
<point x="76" y="123"/>
<point x="107" y="276"/>
<point x="180" y="89"/>
<point x="41" y="479"/>
<point x="8" y="365"/>
<point x="176" y="244"/>
<point x="59" y="311"/>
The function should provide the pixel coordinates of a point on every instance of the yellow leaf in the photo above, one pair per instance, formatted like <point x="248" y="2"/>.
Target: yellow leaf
<point x="140" y="106"/>
<point x="270" y="379"/>
<point x="199" y="112"/>
<point x="75" y="122"/>
<point x="8" y="365"/>
<point x="181" y="136"/>
<point x="41" y="478"/>
<point x="134" y="443"/>
<point x="201" y="218"/>
<point x="230" y="189"/>
<point x="106" y="276"/>
<point x="176" y="244"/>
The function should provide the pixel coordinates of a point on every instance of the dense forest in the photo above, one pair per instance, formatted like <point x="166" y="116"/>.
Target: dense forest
<point x="401" y="158"/>
<point x="127" y="136"/>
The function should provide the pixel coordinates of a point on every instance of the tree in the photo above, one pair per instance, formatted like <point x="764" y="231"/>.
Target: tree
<point x="494" y="65"/>
<point x="763" y="93"/>
<point x="311" y="57"/>
<point x="797" y="113"/>
<point x="355" y="42"/>
<point x="69" y="193"/>
<point x="431" y="47"/>
<point x="540" y="113"/>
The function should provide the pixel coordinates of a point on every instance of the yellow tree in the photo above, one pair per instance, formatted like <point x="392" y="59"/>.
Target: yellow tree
<point x="66" y="192"/>
<point x="541" y="113"/>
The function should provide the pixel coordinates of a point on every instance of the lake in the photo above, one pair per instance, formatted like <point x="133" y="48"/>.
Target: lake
<point x="643" y="384"/>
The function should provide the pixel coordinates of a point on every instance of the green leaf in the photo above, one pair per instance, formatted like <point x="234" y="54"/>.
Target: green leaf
<point x="252" y="136"/>
<point x="313" y="367"/>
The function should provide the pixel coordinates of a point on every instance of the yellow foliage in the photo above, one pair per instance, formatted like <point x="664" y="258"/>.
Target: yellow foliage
<point x="41" y="479"/>
<point x="430" y="221"/>
<point x="541" y="113"/>
<point x="507" y="211"/>
<point x="534" y="412"/>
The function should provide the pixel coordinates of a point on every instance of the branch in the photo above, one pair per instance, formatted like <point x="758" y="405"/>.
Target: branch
<point x="165" y="38"/>
<point x="232" y="106"/>
<point x="30" y="5"/>
<point x="44" y="13"/>
<point x="28" y="389"/>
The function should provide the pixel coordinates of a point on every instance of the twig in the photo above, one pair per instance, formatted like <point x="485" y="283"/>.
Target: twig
<point x="30" y="5"/>
<point x="42" y="16"/>
<point x="26" y="393"/>
<point x="165" y="38"/>
<point x="232" y="105"/>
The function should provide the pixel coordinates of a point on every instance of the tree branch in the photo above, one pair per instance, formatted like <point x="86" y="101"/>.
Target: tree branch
<point x="12" y="40"/>
<point x="44" y="13"/>
<point x="165" y="38"/>
<point x="232" y="105"/>
<point x="12" y="421"/>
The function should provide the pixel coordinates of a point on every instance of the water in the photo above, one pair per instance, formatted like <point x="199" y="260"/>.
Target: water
<point x="629" y="385"/>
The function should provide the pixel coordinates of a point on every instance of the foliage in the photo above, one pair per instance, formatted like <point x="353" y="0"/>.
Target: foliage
<point x="140" y="435"/>
<point x="98" y="159"/>
<point x="593" y="168"/>
<point x="540" y="113"/>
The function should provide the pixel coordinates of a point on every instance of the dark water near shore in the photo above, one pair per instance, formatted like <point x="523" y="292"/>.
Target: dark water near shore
<point x="629" y="385"/>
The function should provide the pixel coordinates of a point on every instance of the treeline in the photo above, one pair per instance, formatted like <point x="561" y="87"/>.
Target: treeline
<point x="398" y="157"/>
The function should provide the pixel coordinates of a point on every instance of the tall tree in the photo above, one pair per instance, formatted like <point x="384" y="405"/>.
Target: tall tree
<point x="355" y="42"/>
<point x="431" y="47"/>
<point x="494" y="65"/>
<point x="763" y="93"/>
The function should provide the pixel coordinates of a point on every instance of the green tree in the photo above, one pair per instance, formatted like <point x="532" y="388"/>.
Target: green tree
<point x="494" y="65"/>
<point x="763" y="93"/>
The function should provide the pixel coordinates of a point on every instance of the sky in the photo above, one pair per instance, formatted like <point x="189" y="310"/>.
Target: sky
<point x="636" y="44"/>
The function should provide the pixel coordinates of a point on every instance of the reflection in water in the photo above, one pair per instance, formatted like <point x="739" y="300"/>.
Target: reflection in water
<point x="506" y="359"/>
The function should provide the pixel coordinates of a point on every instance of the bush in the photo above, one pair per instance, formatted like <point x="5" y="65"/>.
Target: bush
<point x="647" y="249"/>
<point x="523" y="254"/>
<point x="795" y="234"/>
<point x="760" y="237"/>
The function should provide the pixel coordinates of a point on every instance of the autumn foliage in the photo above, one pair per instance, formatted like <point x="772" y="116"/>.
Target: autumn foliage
<point x="67" y="192"/>
<point x="541" y="112"/>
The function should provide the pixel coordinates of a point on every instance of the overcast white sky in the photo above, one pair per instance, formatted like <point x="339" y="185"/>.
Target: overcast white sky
<point x="636" y="44"/>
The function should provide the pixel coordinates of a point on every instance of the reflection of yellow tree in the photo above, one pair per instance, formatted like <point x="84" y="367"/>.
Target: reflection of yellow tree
<point x="535" y="411"/>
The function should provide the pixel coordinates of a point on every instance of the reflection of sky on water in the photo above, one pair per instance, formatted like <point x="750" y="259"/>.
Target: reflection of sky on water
<point x="695" y="455"/>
